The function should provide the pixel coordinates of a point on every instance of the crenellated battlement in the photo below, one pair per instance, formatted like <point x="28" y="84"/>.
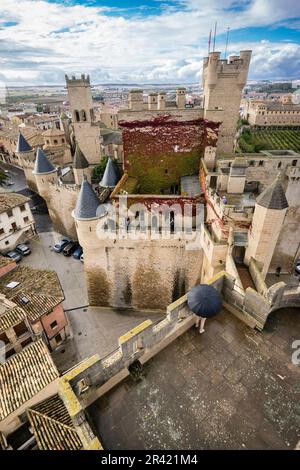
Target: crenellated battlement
<point x="84" y="80"/>
<point x="214" y="66"/>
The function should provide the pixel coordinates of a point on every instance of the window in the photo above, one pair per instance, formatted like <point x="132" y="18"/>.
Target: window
<point x="9" y="213"/>
<point x="261" y="163"/>
<point x="279" y="165"/>
<point x="20" y="329"/>
<point x="26" y="342"/>
<point x="53" y="325"/>
<point x="251" y="163"/>
<point x="63" y="141"/>
<point x="4" y="338"/>
<point x="55" y="142"/>
<point x="58" y="338"/>
<point x="294" y="163"/>
<point x="83" y="115"/>
<point x="9" y="353"/>
<point x="7" y="242"/>
<point x="22" y="208"/>
<point x="26" y="220"/>
<point x="1" y="231"/>
<point x="76" y="116"/>
<point x="14" y="226"/>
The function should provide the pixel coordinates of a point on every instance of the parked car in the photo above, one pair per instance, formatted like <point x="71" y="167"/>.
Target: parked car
<point x="14" y="256"/>
<point x="70" y="248"/>
<point x="8" y="183"/>
<point x="58" y="247"/>
<point x="81" y="258"/>
<point x="23" y="249"/>
<point x="78" y="252"/>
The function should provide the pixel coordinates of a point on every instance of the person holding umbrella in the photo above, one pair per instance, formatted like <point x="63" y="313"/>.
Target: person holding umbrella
<point x="205" y="302"/>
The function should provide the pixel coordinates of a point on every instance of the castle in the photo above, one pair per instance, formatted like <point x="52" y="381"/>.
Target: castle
<point x="170" y="163"/>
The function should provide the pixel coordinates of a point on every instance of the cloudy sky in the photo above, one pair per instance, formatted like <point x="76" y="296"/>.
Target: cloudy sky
<point x="147" y="41"/>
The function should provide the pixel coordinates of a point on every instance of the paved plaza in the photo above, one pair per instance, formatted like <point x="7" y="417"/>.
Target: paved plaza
<point x="230" y="388"/>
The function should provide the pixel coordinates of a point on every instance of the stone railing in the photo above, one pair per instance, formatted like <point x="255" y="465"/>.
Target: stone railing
<point x="255" y="270"/>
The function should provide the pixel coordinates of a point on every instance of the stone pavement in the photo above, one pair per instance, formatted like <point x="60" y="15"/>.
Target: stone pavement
<point x="96" y="330"/>
<point x="230" y="388"/>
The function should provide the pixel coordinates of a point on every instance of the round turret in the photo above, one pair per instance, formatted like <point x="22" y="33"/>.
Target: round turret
<point x="44" y="173"/>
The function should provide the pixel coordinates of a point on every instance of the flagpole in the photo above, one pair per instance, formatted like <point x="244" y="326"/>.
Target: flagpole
<point x="215" y="36"/>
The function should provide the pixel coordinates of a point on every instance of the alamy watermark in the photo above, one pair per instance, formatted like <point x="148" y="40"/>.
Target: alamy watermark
<point x="296" y="353"/>
<point x="150" y="220"/>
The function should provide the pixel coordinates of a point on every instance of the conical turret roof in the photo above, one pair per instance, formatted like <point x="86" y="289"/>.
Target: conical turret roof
<point x="273" y="197"/>
<point x="42" y="164"/>
<point x="80" y="161"/>
<point x="111" y="175"/>
<point x="87" y="202"/>
<point x="22" y="144"/>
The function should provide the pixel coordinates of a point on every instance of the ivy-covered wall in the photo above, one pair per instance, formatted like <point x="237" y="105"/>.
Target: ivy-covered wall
<point x="158" y="152"/>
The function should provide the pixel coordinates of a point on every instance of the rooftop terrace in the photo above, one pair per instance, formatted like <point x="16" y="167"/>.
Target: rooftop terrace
<point x="231" y="388"/>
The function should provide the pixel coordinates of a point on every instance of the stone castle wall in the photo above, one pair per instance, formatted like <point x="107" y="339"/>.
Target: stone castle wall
<point x="140" y="274"/>
<point x="61" y="200"/>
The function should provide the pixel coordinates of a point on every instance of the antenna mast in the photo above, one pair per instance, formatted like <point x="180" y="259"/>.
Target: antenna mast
<point x="227" y="42"/>
<point x="209" y="42"/>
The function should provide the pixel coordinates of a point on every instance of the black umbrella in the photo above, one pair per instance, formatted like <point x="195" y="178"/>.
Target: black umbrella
<point x="204" y="300"/>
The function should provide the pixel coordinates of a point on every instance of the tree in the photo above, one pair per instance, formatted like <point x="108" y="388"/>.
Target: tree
<point x="98" y="170"/>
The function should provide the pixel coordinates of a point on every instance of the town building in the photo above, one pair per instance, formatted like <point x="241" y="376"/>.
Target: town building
<point x="16" y="220"/>
<point x="27" y="378"/>
<point x="270" y="113"/>
<point x="36" y="297"/>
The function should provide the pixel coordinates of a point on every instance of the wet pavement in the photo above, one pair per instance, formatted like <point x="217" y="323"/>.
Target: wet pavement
<point x="230" y="388"/>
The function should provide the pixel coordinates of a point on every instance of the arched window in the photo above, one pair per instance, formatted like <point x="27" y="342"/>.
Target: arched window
<point x="76" y="116"/>
<point x="294" y="163"/>
<point x="279" y="165"/>
<point x="55" y="141"/>
<point x="83" y="115"/>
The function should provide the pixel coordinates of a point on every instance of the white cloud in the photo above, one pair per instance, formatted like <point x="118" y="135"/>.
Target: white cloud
<point x="51" y="39"/>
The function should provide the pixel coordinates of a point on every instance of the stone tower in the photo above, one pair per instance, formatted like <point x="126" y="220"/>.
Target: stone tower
<point x="223" y="82"/>
<point x="270" y="209"/>
<point x="26" y="157"/>
<point x="88" y="214"/>
<point x="136" y="100"/>
<point x="81" y="167"/>
<point x="64" y="122"/>
<point x="44" y="172"/>
<point x="87" y="133"/>
<point x="180" y="97"/>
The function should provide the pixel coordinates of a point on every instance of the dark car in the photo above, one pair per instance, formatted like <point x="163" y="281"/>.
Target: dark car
<point x="14" y="256"/>
<point x="78" y="252"/>
<point x="58" y="247"/>
<point x="70" y="248"/>
<point x="23" y="249"/>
